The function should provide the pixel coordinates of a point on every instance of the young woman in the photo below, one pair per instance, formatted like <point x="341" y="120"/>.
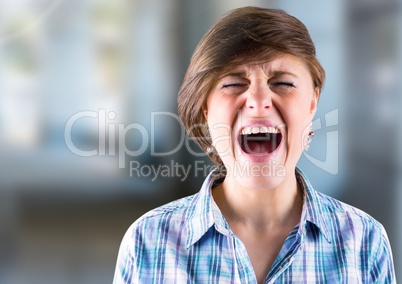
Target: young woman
<point x="249" y="96"/>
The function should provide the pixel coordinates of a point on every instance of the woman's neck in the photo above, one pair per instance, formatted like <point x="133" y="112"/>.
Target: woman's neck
<point x="260" y="208"/>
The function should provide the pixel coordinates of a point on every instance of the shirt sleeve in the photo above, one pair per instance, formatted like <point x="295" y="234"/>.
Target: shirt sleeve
<point x="125" y="261"/>
<point x="383" y="270"/>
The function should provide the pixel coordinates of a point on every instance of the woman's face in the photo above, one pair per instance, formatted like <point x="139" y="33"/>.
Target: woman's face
<point x="259" y="117"/>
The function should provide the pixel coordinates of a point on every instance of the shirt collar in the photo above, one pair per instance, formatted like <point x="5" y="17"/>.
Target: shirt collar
<point x="203" y="213"/>
<point x="313" y="206"/>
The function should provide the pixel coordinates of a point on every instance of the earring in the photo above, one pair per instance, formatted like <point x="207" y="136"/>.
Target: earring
<point x="309" y="138"/>
<point x="206" y="128"/>
<point x="210" y="149"/>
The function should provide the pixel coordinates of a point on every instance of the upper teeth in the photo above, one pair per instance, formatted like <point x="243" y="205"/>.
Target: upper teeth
<point x="255" y="130"/>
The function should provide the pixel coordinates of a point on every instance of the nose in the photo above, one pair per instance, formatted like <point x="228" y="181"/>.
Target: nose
<point x="259" y="99"/>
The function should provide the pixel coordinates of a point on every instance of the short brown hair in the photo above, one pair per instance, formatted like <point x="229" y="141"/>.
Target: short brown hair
<point x="247" y="34"/>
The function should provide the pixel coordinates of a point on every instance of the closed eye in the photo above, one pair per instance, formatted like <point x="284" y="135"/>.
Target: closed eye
<point x="282" y="84"/>
<point x="234" y="85"/>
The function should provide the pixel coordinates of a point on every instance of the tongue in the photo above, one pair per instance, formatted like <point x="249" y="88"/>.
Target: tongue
<point x="253" y="147"/>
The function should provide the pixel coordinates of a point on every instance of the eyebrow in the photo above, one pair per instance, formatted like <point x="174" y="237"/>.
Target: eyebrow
<point x="243" y="74"/>
<point x="239" y="74"/>
<point x="281" y="73"/>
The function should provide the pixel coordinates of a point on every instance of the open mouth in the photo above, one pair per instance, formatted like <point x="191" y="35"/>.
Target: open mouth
<point x="259" y="140"/>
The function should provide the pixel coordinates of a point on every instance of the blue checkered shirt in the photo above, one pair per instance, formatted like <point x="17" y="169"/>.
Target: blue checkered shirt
<point x="189" y="241"/>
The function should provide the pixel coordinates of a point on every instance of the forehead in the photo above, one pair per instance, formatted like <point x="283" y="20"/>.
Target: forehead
<point x="279" y="65"/>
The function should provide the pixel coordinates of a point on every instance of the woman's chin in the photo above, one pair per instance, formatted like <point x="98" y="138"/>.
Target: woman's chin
<point x="258" y="171"/>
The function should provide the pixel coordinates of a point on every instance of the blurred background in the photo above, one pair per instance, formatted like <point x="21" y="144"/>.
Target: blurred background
<point x="101" y="77"/>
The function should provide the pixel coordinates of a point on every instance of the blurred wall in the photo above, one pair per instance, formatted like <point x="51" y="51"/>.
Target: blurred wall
<point x="373" y="133"/>
<point x="106" y="74"/>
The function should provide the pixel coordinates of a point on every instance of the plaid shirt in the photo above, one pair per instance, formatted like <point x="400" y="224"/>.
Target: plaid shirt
<point x="189" y="241"/>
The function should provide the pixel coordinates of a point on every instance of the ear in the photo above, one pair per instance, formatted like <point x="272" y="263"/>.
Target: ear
<point x="205" y="111"/>
<point x="314" y="101"/>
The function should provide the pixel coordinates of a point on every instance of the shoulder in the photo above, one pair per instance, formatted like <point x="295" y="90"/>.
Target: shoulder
<point x="151" y="236"/>
<point x="172" y="209"/>
<point x="166" y="218"/>
<point x="356" y="231"/>
<point x="336" y="217"/>
<point x="350" y="222"/>
<point x="334" y="209"/>
<point x="352" y="227"/>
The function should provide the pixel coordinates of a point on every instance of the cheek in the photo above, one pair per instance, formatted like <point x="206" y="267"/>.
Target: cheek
<point x="221" y="138"/>
<point x="222" y="118"/>
<point x="297" y="118"/>
<point x="223" y="111"/>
